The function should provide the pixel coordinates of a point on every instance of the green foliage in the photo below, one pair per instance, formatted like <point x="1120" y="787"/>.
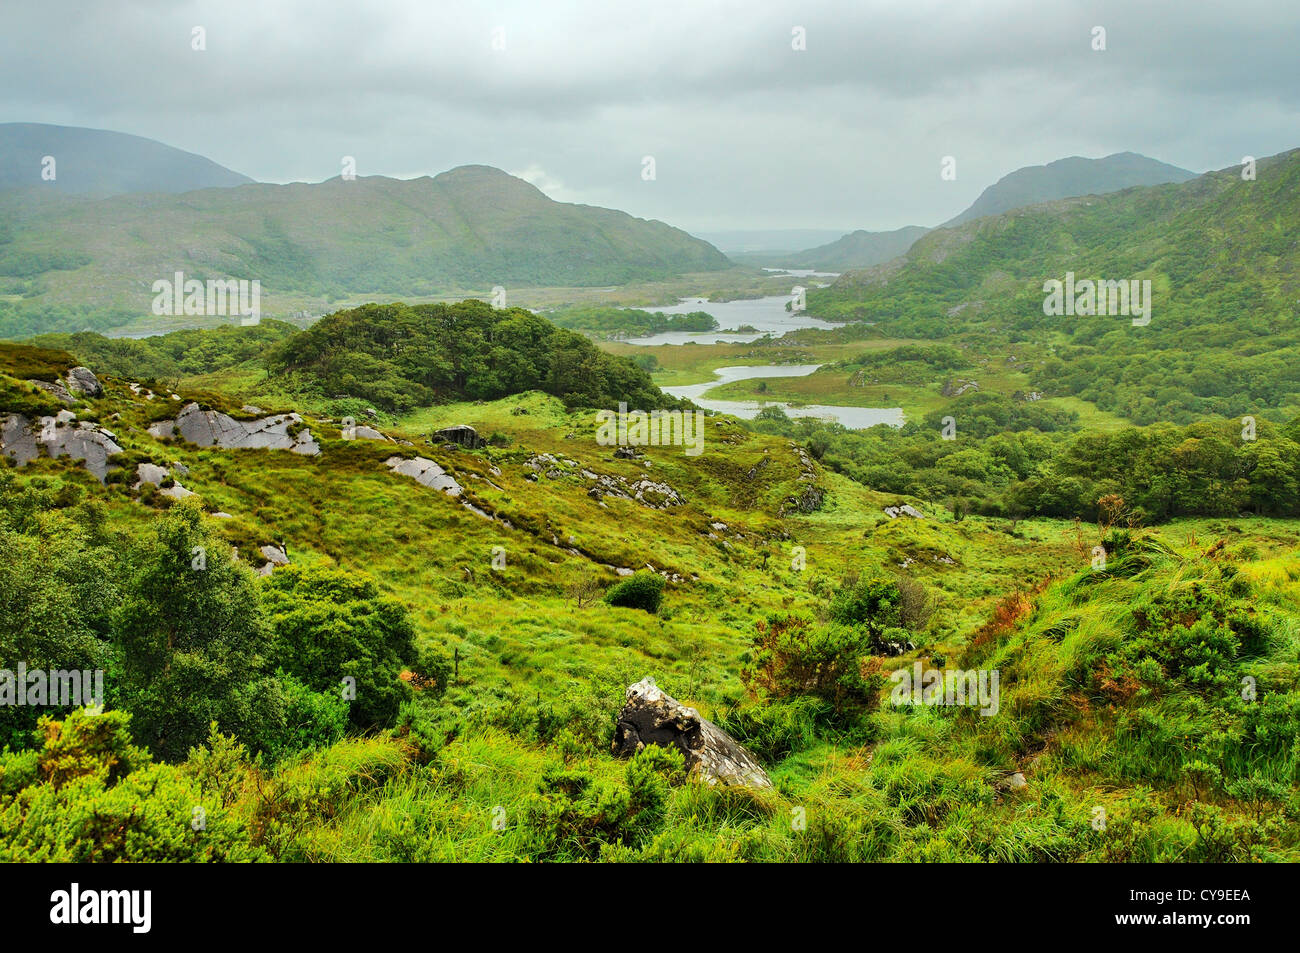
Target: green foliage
<point x="574" y="816"/>
<point x="629" y="322"/>
<point x="642" y="590"/>
<point x="102" y="800"/>
<point x="59" y="588"/>
<point x="329" y="626"/>
<point x="191" y="636"/>
<point x="1022" y="462"/>
<point x="289" y="717"/>
<point x="87" y="745"/>
<point x="399" y="357"/>
<point x="170" y="356"/>
<point x="792" y="656"/>
<point x="872" y="604"/>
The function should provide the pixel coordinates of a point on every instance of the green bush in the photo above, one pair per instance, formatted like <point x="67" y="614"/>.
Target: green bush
<point x="643" y="590"/>
<point x="794" y="657"/>
<point x="329" y="625"/>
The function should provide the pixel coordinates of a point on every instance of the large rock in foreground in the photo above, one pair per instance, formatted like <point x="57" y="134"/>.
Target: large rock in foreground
<point x="653" y="717"/>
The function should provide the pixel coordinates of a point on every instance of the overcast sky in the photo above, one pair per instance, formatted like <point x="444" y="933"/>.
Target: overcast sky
<point x="746" y="131"/>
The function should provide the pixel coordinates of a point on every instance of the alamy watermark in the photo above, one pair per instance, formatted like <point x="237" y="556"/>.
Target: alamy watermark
<point x="59" y="688"/>
<point x="658" y="428"/>
<point x="922" y="686"/>
<point x="1098" y="297"/>
<point x="216" y="297"/>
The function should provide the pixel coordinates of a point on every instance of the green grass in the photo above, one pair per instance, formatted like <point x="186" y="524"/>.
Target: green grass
<point x="536" y="671"/>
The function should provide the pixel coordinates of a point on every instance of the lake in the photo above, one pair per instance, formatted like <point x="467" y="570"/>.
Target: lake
<point x="768" y="315"/>
<point x="856" y="418"/>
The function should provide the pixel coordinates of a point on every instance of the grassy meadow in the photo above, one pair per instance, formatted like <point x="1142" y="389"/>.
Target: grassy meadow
<point x="1119" y="692"/>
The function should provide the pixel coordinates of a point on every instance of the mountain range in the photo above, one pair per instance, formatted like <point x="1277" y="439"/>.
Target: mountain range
<point x="467" y="229"/>
<point x="1218" y="256"/>
<point x="123" y="212"/>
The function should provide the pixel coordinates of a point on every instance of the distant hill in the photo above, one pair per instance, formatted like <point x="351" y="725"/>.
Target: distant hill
<point x="102" y="163"/>
<point x="859" y="249"/>
<point x="465" y="230"/>
<point x="742" y="242"/>
<point x="1065" y="178"/>
<point x="1028" y="186"/>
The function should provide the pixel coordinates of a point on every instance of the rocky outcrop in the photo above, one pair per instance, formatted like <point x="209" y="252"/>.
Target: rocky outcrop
<point x="462" y="435"/>
<point x="808" y="500"/>
<point x="426" y="472"/>
<point x="906" y="509"/>
<point x="362" y="432"/>
<point x="275" y="556"/>
<point x="211" y="428"/>
<point x="21" y="440"/>
<point x="82" y="380"/>
<point x="654" y="494"/>
<point x="151" y="473"/>
<point x="957" y="388"/>
<point x="810" y="495"/>
<point x="55" y="389"/>
<point x="650" y="716"/>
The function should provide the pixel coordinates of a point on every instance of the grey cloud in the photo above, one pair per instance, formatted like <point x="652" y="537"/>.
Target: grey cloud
<point x="746" y="131"/>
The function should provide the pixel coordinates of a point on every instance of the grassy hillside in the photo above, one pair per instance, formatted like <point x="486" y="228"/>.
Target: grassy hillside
<point x="1221" y="254"/>
<point x="483" y="731"/>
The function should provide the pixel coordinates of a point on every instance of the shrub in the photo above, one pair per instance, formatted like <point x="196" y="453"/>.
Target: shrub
<point x="329" y="625"/>
<point x="575" y="816"/>
<point x="642" y="590"/>
<point x="871" y="603"/>
<point x="102" y="800"/>
<point x="793" y="657"/>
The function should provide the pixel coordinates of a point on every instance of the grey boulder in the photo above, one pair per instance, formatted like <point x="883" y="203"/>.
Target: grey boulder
<point x="426" y="472"/>
<point x="153" y="474"/>
<point x="650" y="716"/>
<point x="906" y="509"/>
<point x="82" y="380"/>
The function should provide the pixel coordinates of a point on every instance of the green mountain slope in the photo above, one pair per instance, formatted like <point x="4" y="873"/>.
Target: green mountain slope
<point x="467" y="229"/>
<point x="102" y="163"/>
<point x="1223" y="258"/>
<point x="1064" y="178"/>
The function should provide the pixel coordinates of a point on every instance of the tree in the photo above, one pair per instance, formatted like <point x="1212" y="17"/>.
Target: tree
<point x="191" y="636"/>
<point x="335" y="632"/>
